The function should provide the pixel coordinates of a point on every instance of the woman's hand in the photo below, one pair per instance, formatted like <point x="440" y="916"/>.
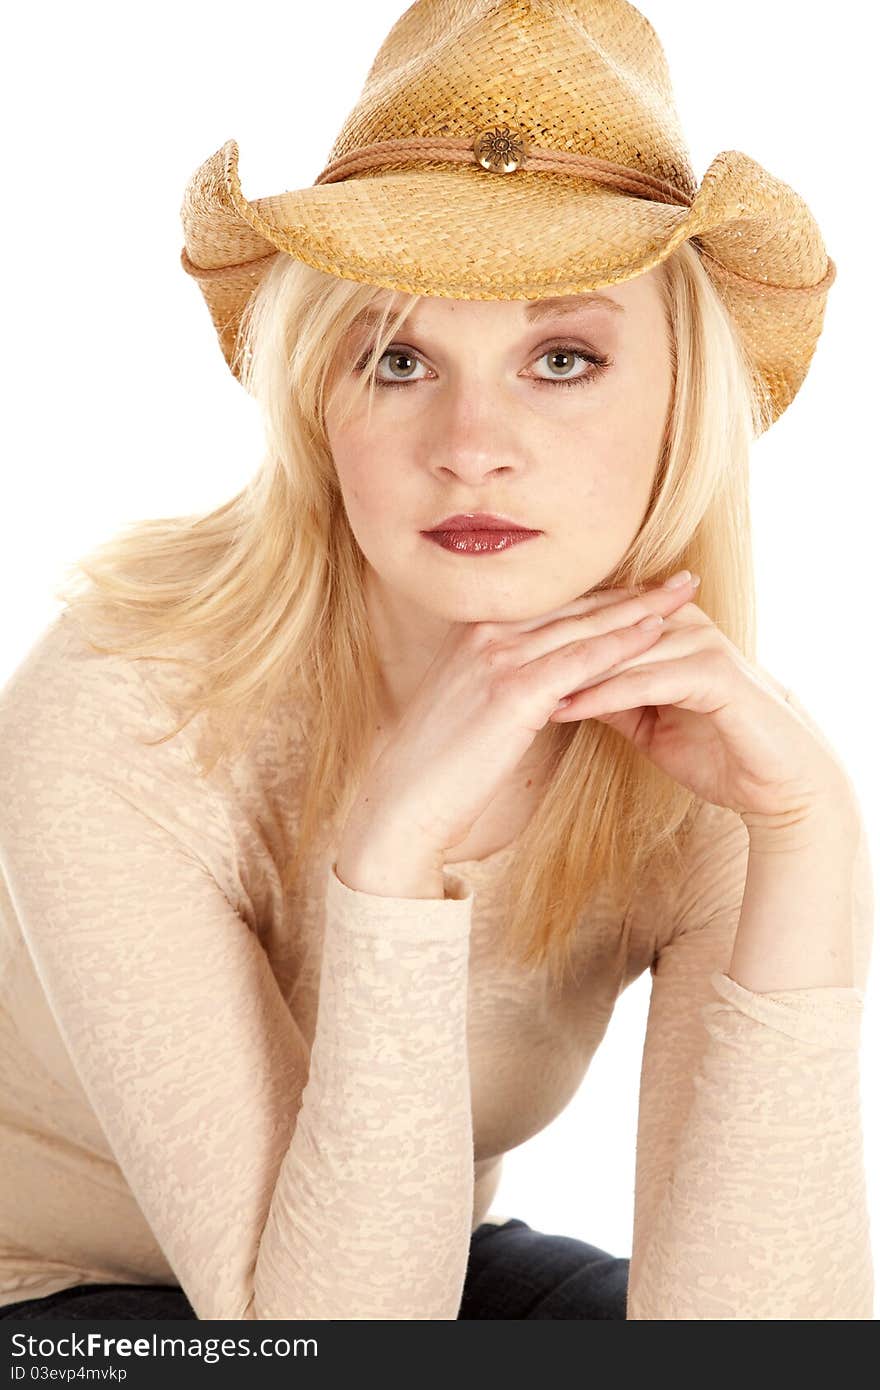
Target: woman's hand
<point x="488" y="692"/>
<point x="717" y="724"/>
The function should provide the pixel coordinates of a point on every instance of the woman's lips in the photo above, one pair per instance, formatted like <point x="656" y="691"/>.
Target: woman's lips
<point x="478" y="542"/>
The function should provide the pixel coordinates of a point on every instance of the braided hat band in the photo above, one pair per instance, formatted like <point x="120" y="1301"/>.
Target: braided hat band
<point x="504" y="151"/>
<point x="516" y="149"/>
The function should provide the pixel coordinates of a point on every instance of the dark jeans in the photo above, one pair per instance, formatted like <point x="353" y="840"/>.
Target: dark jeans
<point x="513" y="1272"/>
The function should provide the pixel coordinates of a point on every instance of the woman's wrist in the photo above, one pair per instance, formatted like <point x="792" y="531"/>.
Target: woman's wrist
<point x="389" y="862"/>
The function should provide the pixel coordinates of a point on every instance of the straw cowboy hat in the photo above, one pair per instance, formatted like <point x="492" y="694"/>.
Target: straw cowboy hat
<point x="519" y="149"/>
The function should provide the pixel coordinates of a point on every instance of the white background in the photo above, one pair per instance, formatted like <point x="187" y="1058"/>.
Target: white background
<point x="121" y="405"/>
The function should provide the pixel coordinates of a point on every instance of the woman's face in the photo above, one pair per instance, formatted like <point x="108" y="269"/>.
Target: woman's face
<point x="480" y="417"/>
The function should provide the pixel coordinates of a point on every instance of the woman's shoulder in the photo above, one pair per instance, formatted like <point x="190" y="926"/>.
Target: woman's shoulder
<point x="81" y="731"/>
<point x="63" y="690"/>
<point x="81" y="745"/>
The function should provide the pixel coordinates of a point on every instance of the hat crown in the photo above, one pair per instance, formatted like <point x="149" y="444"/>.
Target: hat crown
<point x="583" y="76"/>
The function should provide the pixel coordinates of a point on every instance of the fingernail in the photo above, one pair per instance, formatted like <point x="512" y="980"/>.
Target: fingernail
<point x="675" y="581"/>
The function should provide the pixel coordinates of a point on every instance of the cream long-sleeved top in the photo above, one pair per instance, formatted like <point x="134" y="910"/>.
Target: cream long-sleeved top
<point x="296" y="1105"/>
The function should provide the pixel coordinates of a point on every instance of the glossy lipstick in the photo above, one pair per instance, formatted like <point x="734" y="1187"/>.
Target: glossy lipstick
<point x="476" y="533"/>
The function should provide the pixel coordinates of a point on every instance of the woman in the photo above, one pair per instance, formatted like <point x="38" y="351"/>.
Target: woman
<point x="286" y="980"/>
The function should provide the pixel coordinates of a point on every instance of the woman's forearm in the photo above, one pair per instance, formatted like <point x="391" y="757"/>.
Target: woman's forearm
<point x="372" y="1209"/>
<point x="764" y="1211"/>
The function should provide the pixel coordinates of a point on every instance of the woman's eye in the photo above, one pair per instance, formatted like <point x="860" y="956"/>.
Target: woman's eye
<point x="563" y="358"/>
<point x="401" y="361"/>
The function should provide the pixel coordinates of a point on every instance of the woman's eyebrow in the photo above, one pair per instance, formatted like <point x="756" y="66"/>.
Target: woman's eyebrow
<point x="535" y="310"/>
<point x="564" y="304"/>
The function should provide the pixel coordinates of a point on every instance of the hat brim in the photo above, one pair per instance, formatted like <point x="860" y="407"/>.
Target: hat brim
<point x="471" y="235"/>
<point x="462" y="232"/>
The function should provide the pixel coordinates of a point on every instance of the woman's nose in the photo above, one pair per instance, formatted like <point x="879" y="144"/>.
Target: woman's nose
<point x="473" y="433"/>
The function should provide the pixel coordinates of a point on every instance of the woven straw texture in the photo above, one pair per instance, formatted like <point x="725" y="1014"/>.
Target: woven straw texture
<point x="580" y="79"/>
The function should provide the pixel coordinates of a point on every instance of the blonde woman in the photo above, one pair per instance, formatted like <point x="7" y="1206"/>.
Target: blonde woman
<point x="335" y="822"/>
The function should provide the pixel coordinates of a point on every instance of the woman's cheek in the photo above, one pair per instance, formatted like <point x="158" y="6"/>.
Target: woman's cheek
<point x="368" y="490"/>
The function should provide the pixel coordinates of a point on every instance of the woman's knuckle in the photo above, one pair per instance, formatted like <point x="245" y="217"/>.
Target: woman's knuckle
<point x="480" y="636"/>
<point x="717" y="661"/>
<point x="618" y="638"/>
<point x="574" y="651"/>
<point x="587" y="624"/>
<point x="496" y="655"/>
<point x="502" y="685"/>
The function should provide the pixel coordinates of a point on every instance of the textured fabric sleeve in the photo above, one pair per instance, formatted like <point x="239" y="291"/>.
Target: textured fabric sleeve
<point x="371" y="1215"/>
<point x="751" y="1194"/>
<point x="278" y="1184"/>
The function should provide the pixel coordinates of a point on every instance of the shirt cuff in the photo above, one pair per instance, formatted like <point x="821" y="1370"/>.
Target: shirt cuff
<point x="827" y="1015"/>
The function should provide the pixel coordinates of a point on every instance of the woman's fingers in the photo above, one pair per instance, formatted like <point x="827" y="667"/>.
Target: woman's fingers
<point x="585" y="604"/>
<point x="589" y="623"/>
<point x="600" y="599"/>
<point x="564" y="670"/>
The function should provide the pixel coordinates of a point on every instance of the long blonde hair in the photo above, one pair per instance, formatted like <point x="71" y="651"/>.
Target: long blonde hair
<point x="262" y="599"/>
